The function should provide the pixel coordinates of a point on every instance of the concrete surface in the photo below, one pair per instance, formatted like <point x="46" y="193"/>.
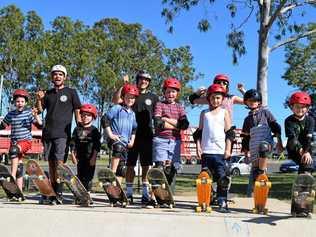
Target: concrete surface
<point x="30" y="219"/>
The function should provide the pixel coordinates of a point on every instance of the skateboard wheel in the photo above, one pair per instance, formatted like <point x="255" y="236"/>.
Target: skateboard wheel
<point x="170" y="206"/>
<point x="265" y="211"/>
<point x="257" y="184"/>
<point x="269" y="184"/>
<point x="198" y="209"/>
<point x="101" y="184"/>
<point x="295" y="194"/>
<point x="208" y="209"/>
<point x="20" y="199"/>
<point x="41" y="177"/>
<point x="163" y="186"/>
<point x="313" y="193"/>
<point x="58" y="180"/>
<point x="124" y="204"/>
<point x="198" y="181"/>
<point x="255" y="211"/>
<point x="209" y="181"/>
<point x="8" y="179"/>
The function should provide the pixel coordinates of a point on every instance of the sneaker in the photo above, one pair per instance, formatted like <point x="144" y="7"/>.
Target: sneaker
<point x="223" y="206"/>
<point x="148" y="203"/>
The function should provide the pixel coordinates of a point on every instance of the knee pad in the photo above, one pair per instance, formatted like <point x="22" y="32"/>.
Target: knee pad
<point x="118" y="147"/>
<point x="224" y="183"/>
<point x="14" y="151"/>
<point x="159" y="165"/>
<point x="293" y="145"/>
<point x="257" y="172"/>
<point x="19" y="171"/>
<point x="264" y="149"/>
<point x="121" y="169"/>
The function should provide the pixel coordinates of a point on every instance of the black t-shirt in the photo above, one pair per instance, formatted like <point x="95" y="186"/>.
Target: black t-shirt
<point x="60" y="106"/>
<point x="144" y="109"/>
<point x="85" y="141"/>
<point x="300" y="129"/>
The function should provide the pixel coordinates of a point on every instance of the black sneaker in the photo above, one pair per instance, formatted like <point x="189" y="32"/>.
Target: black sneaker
<point x="149" y="203"/>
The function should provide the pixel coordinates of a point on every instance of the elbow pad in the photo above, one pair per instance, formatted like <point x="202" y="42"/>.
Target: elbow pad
<point x="230" y="134"/>
<point x="197" y="135"/>
<point x="245" y="143"/>
<point x="275" y="128"/>
<point x="183" y="123"/>
<point x="159" y="123"/>
<point x="193" y="97"/>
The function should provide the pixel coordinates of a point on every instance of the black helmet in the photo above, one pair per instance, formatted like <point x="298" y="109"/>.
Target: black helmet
<point x="143" y="74"/>
<point x="252" y="94"/>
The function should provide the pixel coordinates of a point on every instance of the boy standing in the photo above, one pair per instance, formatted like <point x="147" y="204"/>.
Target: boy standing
<point x="85" y="145"/>
<point x="21" y="120"/>
<point x="299" y="129"/>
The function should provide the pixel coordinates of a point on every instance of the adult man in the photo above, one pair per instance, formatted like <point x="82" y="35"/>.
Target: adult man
<point x="144" y="109"/>
<point x="60" y="103"/>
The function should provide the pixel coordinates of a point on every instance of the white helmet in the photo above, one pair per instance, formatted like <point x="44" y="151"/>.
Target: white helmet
<point x="59" y="68"/>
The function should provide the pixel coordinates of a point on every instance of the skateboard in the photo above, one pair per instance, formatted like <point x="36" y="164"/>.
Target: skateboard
<point x="67" y="176"/>
<point x="160" y="187"/>
<point x="204" y="192"/>
<point x="303" y="195"/>
<point x="260" y="194"/>
<point x="9" y="185"/>
<point x="112" y="187"/>
<point x="38" y="176"/>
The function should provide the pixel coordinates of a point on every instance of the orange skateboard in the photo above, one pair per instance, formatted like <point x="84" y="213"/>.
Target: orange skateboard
<point x="204" y="192"/>
<point x="260" y="194"/>
<point x="39" y="178"/>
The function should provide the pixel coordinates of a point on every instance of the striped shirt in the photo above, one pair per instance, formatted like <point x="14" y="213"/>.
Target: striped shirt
<point x="21" y="124"/>
<point x="171" y="111"/>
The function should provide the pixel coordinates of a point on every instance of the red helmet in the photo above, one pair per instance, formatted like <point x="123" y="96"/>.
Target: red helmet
<point x="89" y="108"/>
<point x="22" y="93"/>
<point x="171" y="82"/>
<point x="216" y="88"/>
<point x="221" y="77"/>
<point x="130" y="89"/>
<point x="300" y="98"/>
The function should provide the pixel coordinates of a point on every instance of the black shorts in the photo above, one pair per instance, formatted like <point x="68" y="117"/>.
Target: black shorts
<point x="143" y="149"/>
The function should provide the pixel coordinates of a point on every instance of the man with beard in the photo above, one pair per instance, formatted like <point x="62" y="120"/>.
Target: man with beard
<point x="60" y="103"/>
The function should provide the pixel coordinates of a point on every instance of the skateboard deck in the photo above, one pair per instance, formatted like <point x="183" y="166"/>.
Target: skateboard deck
<point x="112" y="187"/>
<point x="9" y="185"/>
<point x="160" y="187"/>
<point x="38" y="176"/>
<point x="260" y="194"/>
<point x="204" y="192"/>
<point x="303" y="195"/>
<point x="67" y="176"/>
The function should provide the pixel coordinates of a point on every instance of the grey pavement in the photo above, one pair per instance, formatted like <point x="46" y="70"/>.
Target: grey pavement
<point x="30" y="219"/>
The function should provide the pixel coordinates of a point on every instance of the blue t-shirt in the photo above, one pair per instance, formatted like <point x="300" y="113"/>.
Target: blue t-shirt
<point x="122" y="122"/>
<point x="21" y="124"/>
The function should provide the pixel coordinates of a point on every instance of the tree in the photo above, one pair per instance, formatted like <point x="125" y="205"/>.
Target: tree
<point x="278" y="18"/>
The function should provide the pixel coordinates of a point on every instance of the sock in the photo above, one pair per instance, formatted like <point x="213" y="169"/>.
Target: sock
<point x="146" y="189"/>
<point x="129" y="189"/>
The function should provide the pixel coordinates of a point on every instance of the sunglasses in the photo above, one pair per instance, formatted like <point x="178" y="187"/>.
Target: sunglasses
<point x="221" y="82"/>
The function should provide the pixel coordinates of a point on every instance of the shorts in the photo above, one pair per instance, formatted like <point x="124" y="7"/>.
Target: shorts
<point x="24" y="146"/>
<point x="142" y="148"/>
<point x="166" y="149"/>
<point x="216" y="164"/>
<point x="56" y="149"/>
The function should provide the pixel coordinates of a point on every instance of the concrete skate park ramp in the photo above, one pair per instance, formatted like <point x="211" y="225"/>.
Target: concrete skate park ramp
<point x="30" y="219"/>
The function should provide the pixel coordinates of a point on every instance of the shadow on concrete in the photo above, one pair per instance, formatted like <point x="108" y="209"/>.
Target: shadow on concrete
<point x="269" y="219"/>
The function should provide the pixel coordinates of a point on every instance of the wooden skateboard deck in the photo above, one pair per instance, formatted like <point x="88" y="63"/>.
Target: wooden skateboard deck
<point x="303" y="195"/>
<point x="160" y="187"/>
<point x="66" y="175"/>
<point x="112" y="187"/>
<point x="38" y="176"/>
<point x="204" y="192"/>
<point x="260" y="194"/>
<point x="9" y="185"/>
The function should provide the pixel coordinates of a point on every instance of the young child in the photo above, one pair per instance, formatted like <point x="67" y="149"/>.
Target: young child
<point x="299" y="129"/>
<point x="120" y="126"/>
<point x="85" y="145"/>
<point x="214" y="137"/>
<point x="21" y="120"/>
<point x="169" y="119"/>
<point x="257" y="132"/>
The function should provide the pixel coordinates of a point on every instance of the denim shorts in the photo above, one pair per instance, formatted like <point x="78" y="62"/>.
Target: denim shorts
<point x="166" y="149"/>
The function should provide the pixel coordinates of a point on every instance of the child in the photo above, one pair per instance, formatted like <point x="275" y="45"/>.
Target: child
<point x="214" y="137"/>
<point x="257" y="140"/>
<point x="21" y="120"/>
<point x="120" y="126"/>
<point x="85" y="145"/>
<point x="299" y="129"/>
<point x="169" y="119"/>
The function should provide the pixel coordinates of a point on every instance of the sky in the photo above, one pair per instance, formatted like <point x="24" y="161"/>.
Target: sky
<point x="210" y="52"/>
